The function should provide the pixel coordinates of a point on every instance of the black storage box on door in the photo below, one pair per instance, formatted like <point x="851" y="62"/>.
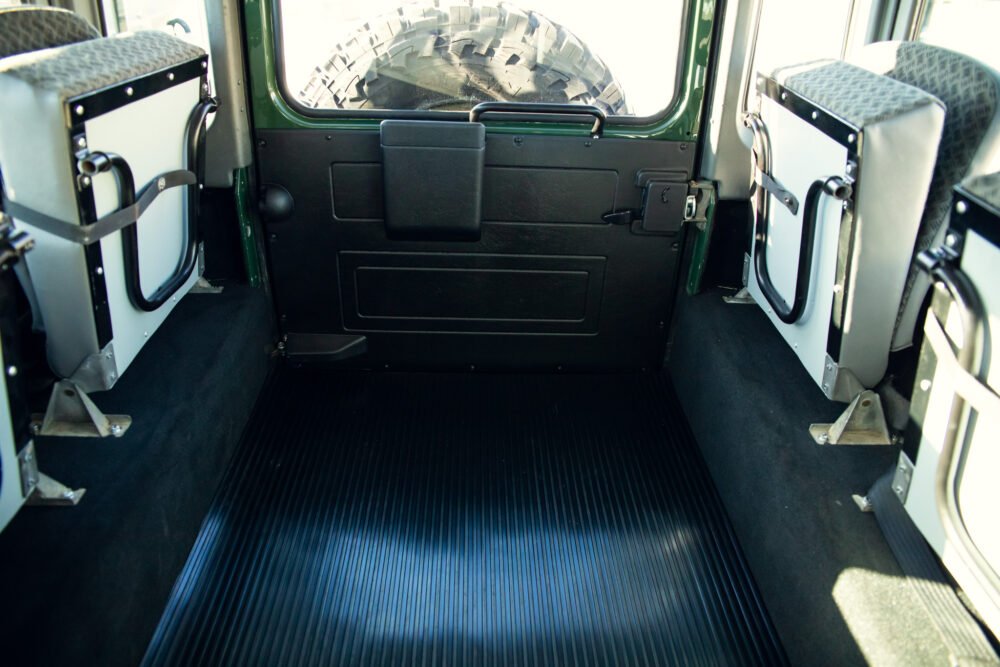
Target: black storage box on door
<point x="98" y="145"/>
<point x="844" y="159"/>
<point x="433" y="179"/>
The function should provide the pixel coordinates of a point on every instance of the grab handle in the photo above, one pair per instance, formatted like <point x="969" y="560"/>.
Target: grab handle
<point x="834" y="186"/>
<point x="98" y="162"/>
<point x="543" y="109"/>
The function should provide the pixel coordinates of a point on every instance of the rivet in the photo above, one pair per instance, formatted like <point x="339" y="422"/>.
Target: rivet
<point x="85" y="181"/>
<point x="204" y="65"/>
<point x="99" y="270"/>
<point x="170" y="76"/>
<point x="161" y="184"/>
<point x="11" y="371"/>
<point x="851" y="138"/>
<point x="815" y="115"/>
<point x="925" y="385"/>
<point x="81" y="142"/>
<point x="784" y="96"/>
<point x="78" y="109"/>
<point x="951" y="240"/>
<point x="961" y="207"/>
<point x="130" y="91"/>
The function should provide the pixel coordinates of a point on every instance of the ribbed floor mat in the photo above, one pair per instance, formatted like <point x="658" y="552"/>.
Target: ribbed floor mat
<point x="449" y="519"/>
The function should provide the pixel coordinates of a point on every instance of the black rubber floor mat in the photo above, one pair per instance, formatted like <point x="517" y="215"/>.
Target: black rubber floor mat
<point x="400" y="519"/>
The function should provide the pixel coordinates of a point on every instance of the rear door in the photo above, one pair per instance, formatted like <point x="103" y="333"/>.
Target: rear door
<point x="577" y="246"/>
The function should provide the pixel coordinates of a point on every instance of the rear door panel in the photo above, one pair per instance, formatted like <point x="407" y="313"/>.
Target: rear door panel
<point x="548" y="284"/>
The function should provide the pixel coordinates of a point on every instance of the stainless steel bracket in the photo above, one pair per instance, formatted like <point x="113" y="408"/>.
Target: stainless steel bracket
<point x="862" y="423"/>
<point x="49" y="492"/>
<point x="71" y="413"/>
<point x="901" y="477"/>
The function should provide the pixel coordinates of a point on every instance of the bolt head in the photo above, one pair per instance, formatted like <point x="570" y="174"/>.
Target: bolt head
<point x="925" y="385"/>
<point x="81" y="142"/>
<point x="116" y="429"/>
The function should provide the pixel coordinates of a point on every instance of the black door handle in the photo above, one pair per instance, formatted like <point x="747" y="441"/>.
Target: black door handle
<point x="543" y="109"/>
<point x="790" y="313"/>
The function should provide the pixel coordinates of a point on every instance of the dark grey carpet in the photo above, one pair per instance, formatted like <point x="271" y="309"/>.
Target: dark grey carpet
<point x="87" y="585"/>
<point x="831" y="584"/>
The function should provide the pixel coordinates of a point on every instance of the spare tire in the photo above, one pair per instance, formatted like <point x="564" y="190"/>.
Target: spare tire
<point x="451" y="57"/>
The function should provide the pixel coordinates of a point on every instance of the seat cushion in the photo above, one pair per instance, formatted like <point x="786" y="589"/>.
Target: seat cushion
<point x="970" y="141"/>
<point x="24" y="29"/>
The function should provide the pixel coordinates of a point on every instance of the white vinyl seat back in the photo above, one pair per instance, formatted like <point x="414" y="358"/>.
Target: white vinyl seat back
<point x="970" y="142"/>
<point x="133" y="96"/>
<point x="850" y="158"/>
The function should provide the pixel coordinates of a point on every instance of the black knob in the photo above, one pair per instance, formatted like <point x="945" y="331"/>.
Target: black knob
<point x="276" y="203"/>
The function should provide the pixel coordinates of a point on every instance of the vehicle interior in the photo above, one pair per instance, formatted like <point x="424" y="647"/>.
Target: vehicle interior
<point x="482" y="332"/>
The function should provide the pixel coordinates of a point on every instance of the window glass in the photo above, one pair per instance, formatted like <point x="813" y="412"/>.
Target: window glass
<point x="969" y="26"/>
<point x="185" y="19"/>
<point x="426" y="55"/>
<point x="793" y="32"/>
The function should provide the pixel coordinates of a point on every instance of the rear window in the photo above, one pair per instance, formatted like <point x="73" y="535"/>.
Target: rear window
<point x="440" y="56"/>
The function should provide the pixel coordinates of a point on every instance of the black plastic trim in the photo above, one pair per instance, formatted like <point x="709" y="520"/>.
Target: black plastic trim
<point x="99" y="102"/>
<point x="979" y="216"/>
<point x="838" y="129"/>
